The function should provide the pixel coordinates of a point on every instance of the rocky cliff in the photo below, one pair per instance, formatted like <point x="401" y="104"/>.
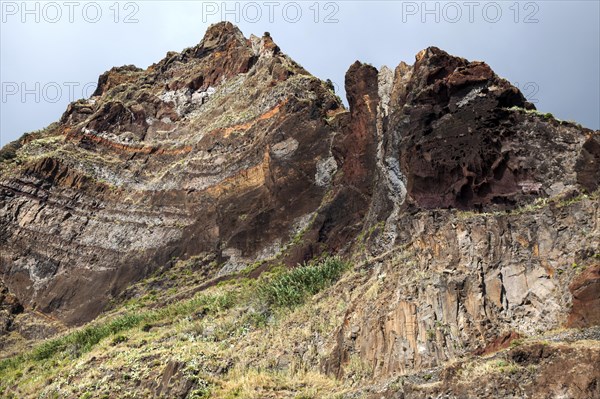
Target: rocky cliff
<point x="223" y="148"/>
<point x="471" y="219"/>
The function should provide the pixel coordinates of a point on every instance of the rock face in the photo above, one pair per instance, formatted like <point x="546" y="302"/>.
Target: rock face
<point x="217" y="149"/>
<point x="473" y="214"/>
<point x="537" y="371"/>
<point x="462" y="145"/>
<point x="9" y="306"/>
<point x="462" y="282"/>
<point x="586" y="298"/>
<point x="449" y="133"/>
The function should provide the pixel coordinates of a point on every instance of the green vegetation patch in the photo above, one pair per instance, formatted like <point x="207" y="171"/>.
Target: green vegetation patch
<point x="291" y="288"/>
<point x="279" y="289"/>
<point x="83" y="340"/>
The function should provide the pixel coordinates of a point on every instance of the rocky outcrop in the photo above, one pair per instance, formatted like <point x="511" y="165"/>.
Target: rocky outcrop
<point x="451" y="134"/>
<point x="585" y="289"/>
<point x="468" y="139"/>
<point x="115" y="77"/>
<point x="540" y="370"/>
<point x="459" y="282"/>
<point x="473" y="217"/>
<point x="9" y="307"/>
<point x="223" y="148"/>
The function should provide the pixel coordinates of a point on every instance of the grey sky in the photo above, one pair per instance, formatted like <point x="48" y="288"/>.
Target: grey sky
<point x="555" y="60"/>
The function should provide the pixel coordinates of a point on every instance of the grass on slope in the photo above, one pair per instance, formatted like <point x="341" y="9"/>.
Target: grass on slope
<point x="293" y="287"/>
<point x="275" y="292"/>
<point x="83" y="340"/>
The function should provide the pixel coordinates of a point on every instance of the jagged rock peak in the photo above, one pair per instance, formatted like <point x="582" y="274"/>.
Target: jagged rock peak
<point x="111" y="77"/>
<point x="221" y="34"/>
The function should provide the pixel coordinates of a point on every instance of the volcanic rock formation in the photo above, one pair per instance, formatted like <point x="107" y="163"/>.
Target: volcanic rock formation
<point x="440" y="176"/>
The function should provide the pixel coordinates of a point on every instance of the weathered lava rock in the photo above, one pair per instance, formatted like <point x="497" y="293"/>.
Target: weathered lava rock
<point x="586" y="298"/>
<point x="232" y="149"/>
<point x="463" y="145"/>
<point x="223" y="148"/>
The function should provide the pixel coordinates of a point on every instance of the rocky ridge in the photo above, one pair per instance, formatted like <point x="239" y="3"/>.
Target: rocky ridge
<point x="471" y="218"/>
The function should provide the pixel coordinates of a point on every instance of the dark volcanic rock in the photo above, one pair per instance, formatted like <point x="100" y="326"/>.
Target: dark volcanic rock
<point x="463" y="145"/>
<point x="9" y="307"/>
<point x="588" y="164"/>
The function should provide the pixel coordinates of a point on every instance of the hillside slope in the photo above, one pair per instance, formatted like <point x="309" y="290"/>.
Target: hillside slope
<point x="164" y="214"/>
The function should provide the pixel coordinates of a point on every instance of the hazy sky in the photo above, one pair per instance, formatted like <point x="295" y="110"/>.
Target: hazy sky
<point x="52" y="52"/>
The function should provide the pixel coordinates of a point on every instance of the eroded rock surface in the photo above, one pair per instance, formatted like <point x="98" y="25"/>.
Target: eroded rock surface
<point x="460" y="282"/>
<point x="215" y="149"/>
<point x="473" y="217"/>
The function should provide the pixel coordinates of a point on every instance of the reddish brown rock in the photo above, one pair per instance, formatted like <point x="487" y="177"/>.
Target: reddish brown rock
<point x="501" y="342"/>
<point x="115" y="77"/>
<point x="462" y="147"/>
<point x="533" y="371"/>
<point x="588" y="164"/>
<point x="585" y="289"/>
